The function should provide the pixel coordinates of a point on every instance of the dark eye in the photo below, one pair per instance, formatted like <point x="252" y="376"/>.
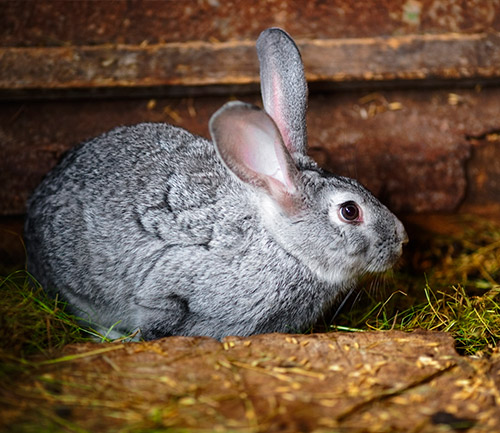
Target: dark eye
<point x="349" y="212"/>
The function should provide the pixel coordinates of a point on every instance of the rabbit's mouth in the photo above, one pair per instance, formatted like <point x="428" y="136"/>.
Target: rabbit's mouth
<point x="385" y="260"/>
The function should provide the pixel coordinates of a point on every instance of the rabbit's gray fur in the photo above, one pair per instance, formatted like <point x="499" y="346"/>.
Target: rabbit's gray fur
<point x="160" y="230"/>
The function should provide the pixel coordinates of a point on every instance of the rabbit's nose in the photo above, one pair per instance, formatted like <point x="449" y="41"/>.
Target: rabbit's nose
<point x="401" y="232"/>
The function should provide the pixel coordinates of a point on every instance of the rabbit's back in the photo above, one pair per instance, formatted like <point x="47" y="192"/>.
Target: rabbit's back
<point x="140" y="225"/>
<point x="115" y="202"/>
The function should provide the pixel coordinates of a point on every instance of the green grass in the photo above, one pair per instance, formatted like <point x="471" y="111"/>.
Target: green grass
<point x="30" y="321"/>
<point x="474" y="321"/>
<point x="30" y="324"/>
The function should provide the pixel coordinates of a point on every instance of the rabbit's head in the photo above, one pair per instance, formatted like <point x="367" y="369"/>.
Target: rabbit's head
<point x="331" y="224"/>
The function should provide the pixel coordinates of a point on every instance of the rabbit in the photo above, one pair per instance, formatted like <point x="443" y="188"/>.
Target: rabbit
<point x="153" y="229"/>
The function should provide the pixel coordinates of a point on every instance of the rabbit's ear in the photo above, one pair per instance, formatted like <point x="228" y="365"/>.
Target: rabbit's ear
<point x="283" y="86"/>
<point x="250" y="145"/>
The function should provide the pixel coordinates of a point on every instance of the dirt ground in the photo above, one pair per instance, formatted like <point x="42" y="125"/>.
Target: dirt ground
<point x="336" y="382"/>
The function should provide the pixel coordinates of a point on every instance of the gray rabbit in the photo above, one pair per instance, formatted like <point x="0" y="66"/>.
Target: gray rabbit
<point x="150" y="227"/>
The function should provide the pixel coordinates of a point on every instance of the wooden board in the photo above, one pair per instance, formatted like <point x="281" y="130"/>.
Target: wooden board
<point x="402" y="58"/>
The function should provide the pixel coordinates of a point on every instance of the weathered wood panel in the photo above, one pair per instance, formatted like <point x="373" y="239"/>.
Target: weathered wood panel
<point x="88" y="22"/>
<point x="419" y="150"/>
<point x="415" y="57"/>
<point x="411" y="148"/>
<point x="88" y="44"/>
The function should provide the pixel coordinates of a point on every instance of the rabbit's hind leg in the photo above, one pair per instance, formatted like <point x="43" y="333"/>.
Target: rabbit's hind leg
<point x="162" y="317"/>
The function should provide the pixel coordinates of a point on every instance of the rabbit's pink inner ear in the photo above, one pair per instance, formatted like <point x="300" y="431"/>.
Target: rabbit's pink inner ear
<point x="251" y="146"/>
<point x="263" y="152"/>
<point x="272" y="99"/>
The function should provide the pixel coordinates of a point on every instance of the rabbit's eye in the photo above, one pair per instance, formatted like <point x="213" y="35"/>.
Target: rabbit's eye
<point x="349" y="212"/>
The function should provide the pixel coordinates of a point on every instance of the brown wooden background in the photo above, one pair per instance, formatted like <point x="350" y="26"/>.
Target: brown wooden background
<point x="405" y="94"/>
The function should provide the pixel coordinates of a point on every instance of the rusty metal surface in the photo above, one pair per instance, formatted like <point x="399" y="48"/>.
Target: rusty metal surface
<point x="87" y="22"/>
<point x="414" y="149"/>
<point x="415" y="57"/>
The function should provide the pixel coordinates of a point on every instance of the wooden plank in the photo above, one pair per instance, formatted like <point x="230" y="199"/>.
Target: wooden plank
<point x="414" y="57"/>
